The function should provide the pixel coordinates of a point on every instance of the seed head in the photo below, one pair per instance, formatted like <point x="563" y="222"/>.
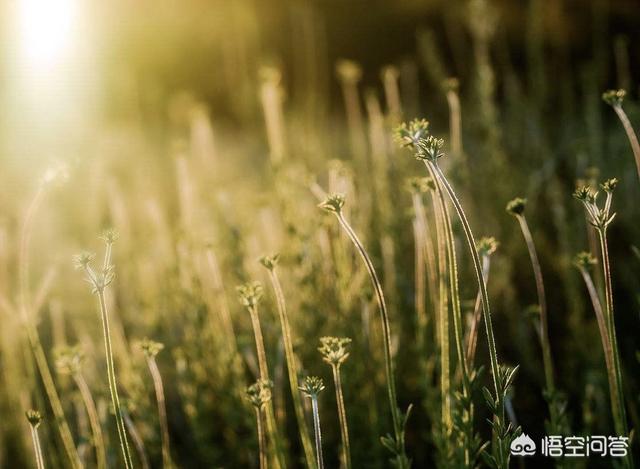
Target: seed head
<point x="614" y="97"/>
<point x="451" y="84"/>
<point x="584" y="260"/>
<point x="270" y="262"/>
<point x="333" y="203"/>
<point x="417" y="185"/>
<point x="430" y="148"/>
<point x="516" y="206"/>
<point x="82" y="260"/>
<point x="150" y="348"/>
<point x="34" y="417"/>
<point x="69" y="360"/>
<point x="259" y="393"/>
<point x="609" y="185"/>
<point x="585" y="194"/>
<point x="334" y="349"/>
<point x="312" y="386"/>
<point x="348" y="71"/>
<point x="487" y="246"/>
<point x="408" y="134"/>
<point x="250" y="293"/>
<point x="109" y="236"/>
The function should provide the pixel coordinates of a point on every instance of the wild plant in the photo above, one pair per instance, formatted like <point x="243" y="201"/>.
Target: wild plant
<point x="26" y="311"/>
<point x="259" y="394"/>
<point x="150" y="349"/>
<point x="428" y="149"/>
<point x="486" y="247"/>
<point x="99" y="281"/>
<point x="395" y="443"/>
<point x="334" y="352"/>
<point x="601" y="217"/>
<point x="614" y="98"/>
<point x="35" y="419"/>
<point x="69" y="361"/>
<point x="312" y="386"/>
<point x="270" y="263"/>
<point x="557" y="423"/>
<point x="250" y="295"/>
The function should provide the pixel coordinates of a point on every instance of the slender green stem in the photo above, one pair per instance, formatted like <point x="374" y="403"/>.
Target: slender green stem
<point x="443" y="317"/>
<point x="386" y="332"/>
<point x="472" y="339"/>
<point x="342" y="416"/>
<point x="262" y="444"/>
<point x="37" y="448"/>
<point x="620" y="417"/>
<point x="94" y="420"/>
<point x="317" y="432"/>
<point x="113" y="386"/>
<point x="604" y="336"/>
<point x="486" y="309"/>
<point x="542" y="302"/>
<point x="272" y="428"/>
<point x="292" y="370"/>
<point x="162" y="412"/>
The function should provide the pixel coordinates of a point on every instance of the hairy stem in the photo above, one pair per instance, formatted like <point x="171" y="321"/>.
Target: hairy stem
<point x="542" y="302"/>
<point x="472" y="339"/>
<point x="113" y="387"/>
<point x="342" y="416"/>
<point x="317" y="432"/>
<point x="292" y="370"/>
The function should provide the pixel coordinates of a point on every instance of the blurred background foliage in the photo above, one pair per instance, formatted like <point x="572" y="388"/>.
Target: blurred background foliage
<point x="158" y="113"/>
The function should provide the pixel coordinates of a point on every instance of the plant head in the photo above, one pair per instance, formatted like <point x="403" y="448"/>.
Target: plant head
<point x="34" y="417"/>
<point x="614" y="97"/>
<point x="487" y="246"/>
<point x="348" y="71"/>
<point x="516" y="206"/>
<point x="429" y="148"/>
<point x="250" y="293"/>
<point x="334" y="349"/>
<point x="451" y="84"/>
<point x="333" y="203"/>
<point x="109" y="236"/>
<point x="270" y="262"/>
<point x="417" y="185"/>
<point x="259" y="393"/>
<point x="586" y="194"/>
<point x="69" y="359"/>
<point x="150" y="348"/>
<point x="609" y="185"/>
<point x="312" y="386"/>
<point x="584" y="260"/>
<point x="409" y="134"/>
<point x="83" y="260"/>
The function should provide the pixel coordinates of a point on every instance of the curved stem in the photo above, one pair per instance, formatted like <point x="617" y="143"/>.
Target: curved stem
<point x="162" y="412"/>
<point x="542" y="301"/>
<point x="384" y="316"/>
<point x="472" y="339"/>
<point x="137" y="440"/>
<point x="342" y="416"/>
<point x="292" y="369"/>
<point x="94" y="420"/>
<point x="631" y="135"/>
<point x="113" y="387"/>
